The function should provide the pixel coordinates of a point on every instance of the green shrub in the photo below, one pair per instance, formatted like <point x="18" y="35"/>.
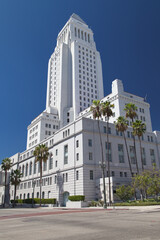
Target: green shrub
<point x="93" y="203"/>
<point x="138" y="203"/>
<point x="35" y="201"/>
<point x="76" y="198"/>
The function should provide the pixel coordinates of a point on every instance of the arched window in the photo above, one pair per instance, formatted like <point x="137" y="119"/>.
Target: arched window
<point x="30" y="168"/>
<point x="82" y="35"/>
<point x="35" y="167"/>
<point x="37" y="194"/>
<point x="28" y="195"/>
<point x="88" y="38"/>
<point x="43" y="194"/>
<point x="75" y="31"/>
<point x="24" y="196"/>
<point x="26" y="170"/>
<point x="49" y="193"/>
<point x="20" y="196"/>
<point x="20" y="169"/>
<point x="85" y="36"/>
<point x="78" y="33"/>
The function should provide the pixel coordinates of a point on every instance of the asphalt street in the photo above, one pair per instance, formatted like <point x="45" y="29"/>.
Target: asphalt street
<point x="80" y="224"/>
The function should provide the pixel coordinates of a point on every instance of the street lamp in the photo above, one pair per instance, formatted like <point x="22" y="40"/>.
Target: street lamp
<point x="102" y="164"/>
<point x="33" y="185"/>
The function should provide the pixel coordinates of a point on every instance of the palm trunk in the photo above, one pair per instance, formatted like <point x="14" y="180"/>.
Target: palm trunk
<point x="109" y="180"/>
<point x="130" y="167"/>
<point x="102" y="166"/>
<point x="15" y="189"/>
<point x="141" y="153"/>
<point x="40" y="181"/>
<point x="5" y="190"/>
<point x="134" y="142"/>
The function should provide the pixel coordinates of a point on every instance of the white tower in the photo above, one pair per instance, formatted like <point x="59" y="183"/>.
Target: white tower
<point x="74" y="71"/>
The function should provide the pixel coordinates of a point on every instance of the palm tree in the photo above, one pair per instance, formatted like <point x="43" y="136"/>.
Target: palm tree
<point x="107" y="112"/>
<point x="121" y="126"/>
<point x="96" y="111"/>
<point x="138" y="129"/>
<point x="15" y="180"/>
<point x="41" y="155"/>
<point x="6" y="165"/>
<point x="130" y="110"/>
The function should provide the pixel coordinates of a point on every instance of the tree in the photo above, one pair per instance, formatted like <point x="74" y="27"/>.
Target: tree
<point x="154" y="183"/>
<point x="141" y="182"/>
<point x="6" y="165"/>
<point x="138" y="129"/>
<point x="15" y="179"/>
<point x="130" y="110"/>
<point x="124" y="192"/>
<point x="41" y="154"/>
<point x="96" y="112"/>
<point x="121" y="126"/>
<point x="107" y="112"/>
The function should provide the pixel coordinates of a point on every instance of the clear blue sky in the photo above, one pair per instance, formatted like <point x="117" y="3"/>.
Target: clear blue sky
<point x="127" y="34"/>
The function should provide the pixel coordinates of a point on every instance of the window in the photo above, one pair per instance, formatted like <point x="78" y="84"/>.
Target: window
<point x="108" y="146"/>
<point x="148" y="138"/>
<point x="121" y="174"/>
<point x="66" y="177"/>
<point x="35" y="167"/>
<point x="152" y="154"/>
<point x="55" y="179"/>
<point x="77" y="143"/>
<point x="51" y="162"/>
<point x="113" y="174"/>
<point x="132" y="155"/>
<point x="90" y="156"/>
<point x="125" y="174"/>
<point x="90" y="142"/>
<point x="56" y="152"/>
<point x="121" y="153"/>
<point x="77" y="156"/>
<point x="56" y="163"/>
<point x="77" y="175"/>
<point x="65" y="154"/>
<point x="38" y="167"/>
<point x="143" y="156"/>
<point x="105" y="129"/>
<point x="91" y="174"/>
<point x="44" y="166"/>
<point x="26" y="173"/>
<point x="109" y="130"/>
<point x="151" y="139"/>
<point x="30" y="168"/>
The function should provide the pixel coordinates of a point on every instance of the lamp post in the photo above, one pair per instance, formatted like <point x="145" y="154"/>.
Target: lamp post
<point x="102" y="164"/>
<point x="33" y="185"/>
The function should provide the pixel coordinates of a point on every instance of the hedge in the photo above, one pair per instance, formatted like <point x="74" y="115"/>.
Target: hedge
<point x="138" y="203"/>
<point x="36" y="201"/>
<point x="76" y="198"/>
